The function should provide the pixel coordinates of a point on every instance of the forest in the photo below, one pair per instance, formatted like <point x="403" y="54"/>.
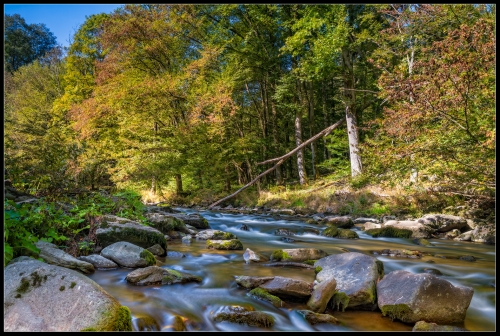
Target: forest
<point x="190" y="103"/>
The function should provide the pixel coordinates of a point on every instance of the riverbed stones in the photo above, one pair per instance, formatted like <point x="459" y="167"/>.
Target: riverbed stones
<point x="356" y="275"/>
<point x="321" y="295"/>
<point x="288" y="288"/>
<point x="343" y="222"/>
<point x="114" y="229"/>
<point x="215" y="235"/>
<point x="443" y="223"/>
<point x="418" y="229"/>
<point x="156" y="249"/>
<point x="251" y="256"/>
<point x="412" y="297"/>
<point x="193" y="219"/>
<point x="298" y="255"/>
<point x="51" y="254"/>
<point x="39" y="297"/>
<point x="129" y="255"/>
<point x="241" y="315"/>
<point x="166" y="223"/>
<point x="424" y="326"/>
<point x="315" y="318"/>
<point x="485" y="233"/>
<point x="284" y="232"/>
<point x="152" y="275"/>
<point x="363" y="220"/>
<point x="250" y="282"/>
<point x="230" y="244"/>
<point x="99" y="261"/>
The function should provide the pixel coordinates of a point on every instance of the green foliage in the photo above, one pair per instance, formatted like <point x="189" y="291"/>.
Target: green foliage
<point x="24" y="43"/>
<point x="378" y="210"/>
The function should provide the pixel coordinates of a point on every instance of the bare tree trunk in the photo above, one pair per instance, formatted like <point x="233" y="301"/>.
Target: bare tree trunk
<point x="350" y="114"/>
<point x="279" y="178"/>
<point x="178" y="184"/>
<point x="298" y="140"/>
<point x="326" y="153"/>
<point x="311" y="129"/>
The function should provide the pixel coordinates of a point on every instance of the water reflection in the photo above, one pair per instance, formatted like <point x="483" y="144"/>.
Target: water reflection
<point x="197" y="302"/>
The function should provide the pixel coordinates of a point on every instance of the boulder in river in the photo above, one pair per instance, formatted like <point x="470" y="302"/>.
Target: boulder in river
<point x="114" y="229"/>
<point x="53" y="255"/>
<point x="241" y="315"/>
<point x="99" y="261"/>
<point x="443" y="223"/>
<point x="424" y="326"/>
<point x="152" y="275"/>
<point x="214" y="234"/>
<point x="39" y="297"/>
<point x="231" y="244"/>
<point x="321" y="295"/>
<point x="412" y="297"/>
<point x="315" y="318"/>
<point x="298" y="255"/>
<point x="129" y="255"/>
<point x="356" y="275"/>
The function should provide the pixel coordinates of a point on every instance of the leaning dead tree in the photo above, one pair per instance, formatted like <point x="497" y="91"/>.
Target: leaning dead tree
<point x="280" y="160"/>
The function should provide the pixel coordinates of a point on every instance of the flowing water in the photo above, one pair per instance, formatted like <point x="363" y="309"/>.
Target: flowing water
<point x="197" y="302"/>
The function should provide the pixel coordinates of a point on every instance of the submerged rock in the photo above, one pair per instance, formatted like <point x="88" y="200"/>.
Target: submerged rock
<point x="241" y="315"/>
<point x="424" y="326"/>
<point x="315" y="318"/>
<point x="158" y="275"/>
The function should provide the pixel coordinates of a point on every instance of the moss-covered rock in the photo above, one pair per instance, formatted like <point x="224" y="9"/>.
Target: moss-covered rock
<point x="250" y="318"/>
<point x="114" y="229"/>
<point x="149" y="257"/>
<point x="262" y="294"/>
<point x="390" y="232"/>
<point x="233" y="244"/>
<point x="335" y="232"/>
<point x="340" y="300"/>
<point x="279" y="255"/>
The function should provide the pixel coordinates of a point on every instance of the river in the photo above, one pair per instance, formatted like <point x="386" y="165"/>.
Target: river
<point x="154" y="307"/>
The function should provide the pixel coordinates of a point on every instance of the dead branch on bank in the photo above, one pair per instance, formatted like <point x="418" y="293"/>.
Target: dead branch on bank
<point x="280" y="160"/>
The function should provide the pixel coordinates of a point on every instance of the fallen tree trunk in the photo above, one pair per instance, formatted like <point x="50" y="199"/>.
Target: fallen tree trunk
<point x="280" y="160"/>
<point x="288" y="264"/>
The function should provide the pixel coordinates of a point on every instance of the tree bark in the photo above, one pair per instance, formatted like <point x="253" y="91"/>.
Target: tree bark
<point x="280" y="160"/>
<point x="178" y="183"/>
<point x="350" y="114"/>
<point x="298" y="139"/>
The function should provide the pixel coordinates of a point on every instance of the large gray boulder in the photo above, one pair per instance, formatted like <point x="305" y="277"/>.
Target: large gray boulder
<point x="356" y="275"/>
<point x="343" y="222"/>
<point x="39" y="297"/>
<point x="298" y="255"/>
<point x="418" y="229"/>
<point x="166" y="223"/>
<point x="158" y="275"/>
<point x="53" y="255"/>
<point x="114" y="229"/>
<point x="484" y="234"/>
<point x="99" y="261"/>
<point x="412" y="297"/>
<point x="443" y="223"/>
<point x="194" y="219"/>
<point x="129" y="255"/>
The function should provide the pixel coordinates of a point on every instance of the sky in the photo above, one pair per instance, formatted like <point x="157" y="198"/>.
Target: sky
<point x="62" y="20"/>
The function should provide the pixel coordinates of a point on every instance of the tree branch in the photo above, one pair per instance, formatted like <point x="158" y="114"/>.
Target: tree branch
<point x="280" y="161"/>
